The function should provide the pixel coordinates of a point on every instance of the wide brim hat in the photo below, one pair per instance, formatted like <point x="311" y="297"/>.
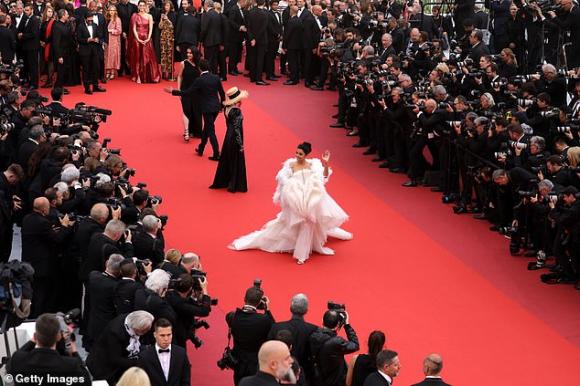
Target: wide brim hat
<point x="234" y="95"/>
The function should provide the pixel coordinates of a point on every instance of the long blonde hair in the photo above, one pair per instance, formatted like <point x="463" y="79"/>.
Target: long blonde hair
<point x="134" y="376"/>
<point x="574" y="156"/>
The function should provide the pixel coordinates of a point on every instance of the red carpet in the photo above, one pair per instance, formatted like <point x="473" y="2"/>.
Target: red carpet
<point x="434" y="282"/>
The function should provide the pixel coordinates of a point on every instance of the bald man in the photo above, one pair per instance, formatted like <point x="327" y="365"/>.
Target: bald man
<point x="39" y="243"/>
<point x="432" y="366"/>
<point x="275" y="365"/>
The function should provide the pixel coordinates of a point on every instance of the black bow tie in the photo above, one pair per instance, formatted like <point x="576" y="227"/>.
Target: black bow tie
<point x="161" y="351"/>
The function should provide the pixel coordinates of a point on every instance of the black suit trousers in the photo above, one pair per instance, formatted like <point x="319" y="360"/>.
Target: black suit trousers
<point x="43" y="300"/>
<point x="293" y="60"/>
<point x="258" y="62"/>
<point x="270" y="60"/>
<point x="62" y="71"/>
<point x="235" y="54"/>
<point x="209" y="133"/>
<point x="31" y="66"/>
<point x="90" y="64"/>
<point x="306" y="69"/>
<point x="211" y="55"/>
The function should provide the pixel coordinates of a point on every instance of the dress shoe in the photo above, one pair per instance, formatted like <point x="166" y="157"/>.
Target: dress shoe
<point x="88" y="91"/>
<point x="214" y="158"/>
<point x="410" y="184"/>
<point x="98" y="89"/>
<point x="316" y="88"/>
<point x="308" y="84"/>
<point x="358" y="145"/>
<point x="335" y="116"/>
<point x="436" y="189"/>
<point x="459" y="209"/>
<point x="352" y="133"/>
<point x="198" y="151"/>
<point x="271" y="79"/>
<point x="384" y="165"/>
<point x="480" y="216"/>
<point x="369" y="152"/>
<point x="262" y="83"/>
<point x="233" y="73"/>
<point x="65" y="91"/>
<point x="337" y="124"/>
<point x="290" y="83"/>
<point x="379" y="159"/>
<point x="396" y="170"/>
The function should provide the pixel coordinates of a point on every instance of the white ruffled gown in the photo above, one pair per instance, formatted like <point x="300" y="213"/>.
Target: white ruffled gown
<point x="308" y="216"/>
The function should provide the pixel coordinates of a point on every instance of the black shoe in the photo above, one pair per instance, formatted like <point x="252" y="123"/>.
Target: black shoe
<point x="384" y="165"/>
<point x="214" y="158"/>
<point x="99" y="89"/>
<point x="410" y="184"/>
<point x="271" y="79"/>
<point x="262" y="83"/>
<point x="233" y="73"/>
<point x="352" y="134"/>
<point x="459" y="209"/>
<point x="337" y="124"/>
<point x="334" y="116"/>
<point x="480" y="216"/>
<point x="65" y="91"/>
<point x="534" y="266"/>
<point x="436" y="189"/>
<point x="396" y="170"/>
<point x="290" y="83"/>
<point x="358" y="145"/>
<point x="317" y="88"/>
<point x="199" y="151"/>
<point x="379" y="159"/>
<point x="88" y="91"/>
<point x="369" y="151"/>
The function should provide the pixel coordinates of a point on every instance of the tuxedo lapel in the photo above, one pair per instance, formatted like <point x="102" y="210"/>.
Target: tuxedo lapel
<point x="172" y="364"/>
<point x="157" y="364"/>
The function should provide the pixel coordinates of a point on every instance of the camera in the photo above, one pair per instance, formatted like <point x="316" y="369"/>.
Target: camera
<point x="228" y="360"/>
<point x="67" y="323"/>
<point x="340" y="310"/>
<point x="518" y="145"/>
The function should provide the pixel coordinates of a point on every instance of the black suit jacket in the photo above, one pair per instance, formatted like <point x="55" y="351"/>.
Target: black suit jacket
<point x="258" y="22"/>
<point x="125" y="295"/>
<point x="188" y="29"/>
<point x="185" y="312"/>
<point x="7" y="44"/>
<point x="80" y="13"/>
<point x="100" y="248"/>
<point x="179" y="367"/>
<point x="147" y="247"/>
<point x="376" y="379"/>
<point x="310" y="31"/>
<point x="249" y="330"/>
<point x="57" y="108"/>
<point x="149" y="301"/>
<point x="42" y="361"/>
<point x="260" y="379"/>
<point x="62" y="40"/>
<point x="24" y="153"/>
<point x="301" y="331"/>
<point x="39" y="240"/>
<point x="30" y="29"/>
<point x="209" y="91"/>
<point x="86" y="47"/>
<point x="101" y="295"/>
<point x="274" y="30"/>
<point x="211" y="29"/>
<point x="85" y="231"/>
<point x="235" y="21"/>
<point x="109" y="358"/>
<point x="293" y="34"/>
<point x="432" y="382"/>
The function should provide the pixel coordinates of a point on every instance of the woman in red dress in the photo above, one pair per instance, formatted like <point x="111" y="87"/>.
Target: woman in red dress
<point x="140" y="52"/>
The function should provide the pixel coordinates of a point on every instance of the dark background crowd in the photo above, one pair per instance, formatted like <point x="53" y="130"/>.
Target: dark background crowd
<point x="479" y="101"/>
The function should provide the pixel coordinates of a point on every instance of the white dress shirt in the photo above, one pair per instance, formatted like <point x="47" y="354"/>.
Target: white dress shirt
<point x="389" y="379"/>
<point x="164" y="360"/>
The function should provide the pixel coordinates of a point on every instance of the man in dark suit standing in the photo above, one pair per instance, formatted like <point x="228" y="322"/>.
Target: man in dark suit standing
<point x="275" y="365"/>
<point x="310" y="41"/>
<point x="89" y="39"/>
<point x="301" y="331"/>
<point x="29" y="37"/>
<point x="39" y="240"/>
<point x="81" y="11"/>
<point x="388" y="366"/>
<point x="432" y="366"/>
<point x="478" y="47"/>
<point x="292" y="45"/>
<point x="39" y="357"/>
<point x="187" y="30"/>
<point x="210" y="92"/>
<point x="211" y="35"/>
<point x="62" y="47"/>
<point x="165" y="363"/>
<point x="249" y="330"/>
<point x="36" y="136"/>
<point x="258" y="23"/>
<point x="236" y="33"/>
<point x="274" y="35"/>
<point x="7" y="42"/>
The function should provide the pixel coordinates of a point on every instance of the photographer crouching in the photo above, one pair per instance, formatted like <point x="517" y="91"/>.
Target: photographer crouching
<point x="328" y="349"/>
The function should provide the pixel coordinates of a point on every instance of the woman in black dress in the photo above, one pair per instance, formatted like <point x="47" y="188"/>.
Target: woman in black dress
<point x="362" y="365"/>
<point x="231" y="170"/>
<point x="188" y="73"/>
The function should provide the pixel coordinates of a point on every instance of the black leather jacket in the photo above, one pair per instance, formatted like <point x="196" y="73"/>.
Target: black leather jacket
<point x="328" y="350"/>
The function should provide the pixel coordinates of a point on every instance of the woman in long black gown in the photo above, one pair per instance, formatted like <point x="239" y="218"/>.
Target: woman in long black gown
<point x="231" y="170"/>
<point x="189" y="72"/>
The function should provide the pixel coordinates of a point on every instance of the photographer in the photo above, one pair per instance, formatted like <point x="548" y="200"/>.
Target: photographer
<point x="39" y="356"/>
<point x="152" y="297"/>
<point x="129" y="283"/>
<point x="328" y="349"/>
<point x="149" y="243"/>
<point x="569" y="20"/>
<point x="249" y="329"/>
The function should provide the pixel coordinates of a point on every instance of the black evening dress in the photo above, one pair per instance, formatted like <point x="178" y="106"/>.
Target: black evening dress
<point x="231" y="169"/>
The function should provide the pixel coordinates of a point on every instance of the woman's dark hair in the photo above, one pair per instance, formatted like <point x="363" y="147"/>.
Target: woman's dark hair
<point x="376" y="343"/>
<point x="41" y="152"/>
<point x="306" y="147"/>
<point x="196" y="54"/>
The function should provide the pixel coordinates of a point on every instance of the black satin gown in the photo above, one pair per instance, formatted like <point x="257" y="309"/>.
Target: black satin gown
<point x="231" y="169"/>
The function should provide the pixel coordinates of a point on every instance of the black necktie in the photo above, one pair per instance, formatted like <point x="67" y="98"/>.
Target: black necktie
<point x="161" y="351"/>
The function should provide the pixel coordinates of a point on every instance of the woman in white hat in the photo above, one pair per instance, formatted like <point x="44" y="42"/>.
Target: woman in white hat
<point x="231" y="170"/>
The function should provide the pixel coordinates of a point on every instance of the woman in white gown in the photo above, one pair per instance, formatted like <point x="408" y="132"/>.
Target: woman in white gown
<point x="308" y="216"/>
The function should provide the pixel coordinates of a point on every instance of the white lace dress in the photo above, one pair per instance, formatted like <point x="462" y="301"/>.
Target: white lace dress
<point x="308" y="216"/>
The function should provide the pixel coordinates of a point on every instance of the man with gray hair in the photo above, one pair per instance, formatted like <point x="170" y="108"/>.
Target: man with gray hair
<point x="301" y="331"/>
<point x="118" y="347"/>
<point x="152" y="297"/>
<point x="432" y="366"/>
<point x="148" y="243"/>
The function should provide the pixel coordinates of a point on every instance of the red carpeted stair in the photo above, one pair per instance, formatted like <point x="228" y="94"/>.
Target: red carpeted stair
<point x="433" y="281"/>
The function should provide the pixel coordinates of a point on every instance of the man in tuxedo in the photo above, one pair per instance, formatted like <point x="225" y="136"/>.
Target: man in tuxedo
<point x="258" y="25"/>
<point x="478" y="47"/>
<point x="388" y="366"/>
<point x="101" y="294"/>
<point x="89" y="38"/>
<point x="211" y="35"/>
<point x="39" y="356"/>
<point x="29" y="38"/>
<point x="187" y="30"/>
<point x="62" y="47"/>
<point x="125" y="10"/>
<point x="274" y="35"/>
<point x="118" y="347"/>
<point x="285" y="18"/>
<point x="210" y="92"/>
<point x="7" y="42"/>
<point x="249" y="330"/>
<point x="301" y="331"/>
<point x="275" y="365"/>
<point x="310" y="41"/>
<point x="236" y="33"/>
<point x="166" y="364"/>
<point x="103" y="31"/>
<point x="292" y="45"/>
<point x="432" y="366"/>
<point x="386" y="47"/>
<point x="39" y="240"/>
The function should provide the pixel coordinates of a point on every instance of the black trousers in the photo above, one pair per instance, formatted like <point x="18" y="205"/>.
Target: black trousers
<point x="293" y="60"/>
<point x="258" y="63"/>
<point x="43" y="292"/>
<point x="209" y="133"/>
<point x="124" y="67"/>
<point x="307" y="65"/>
<point x="31" y="66"/>
<point x="223" y="70"/>
<point x="211" y="55"/>
<point x="62" y="71"/>
<point x="235" y="54"/>
<point x="90" y="64"/>
<point x="270" y="59"/>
